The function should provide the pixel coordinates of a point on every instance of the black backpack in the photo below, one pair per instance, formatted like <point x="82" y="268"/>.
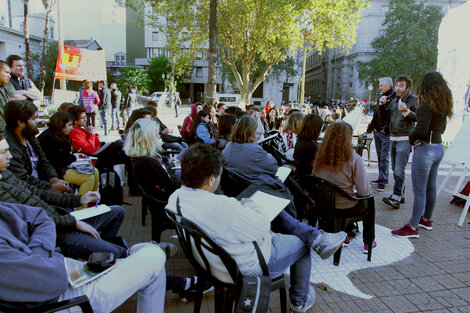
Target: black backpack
<point x="110" y="187"/>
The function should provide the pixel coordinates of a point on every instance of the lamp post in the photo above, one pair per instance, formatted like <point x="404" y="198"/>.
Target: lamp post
<point x="370" y="90"/>
<point x="304" y="62"/>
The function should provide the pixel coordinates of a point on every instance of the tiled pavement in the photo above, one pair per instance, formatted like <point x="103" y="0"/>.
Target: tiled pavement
<point x="434" y="278"/>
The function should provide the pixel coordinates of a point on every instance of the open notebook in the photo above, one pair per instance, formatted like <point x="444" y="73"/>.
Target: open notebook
<point x="90" y="212"/>
<point x="272" y="205"/>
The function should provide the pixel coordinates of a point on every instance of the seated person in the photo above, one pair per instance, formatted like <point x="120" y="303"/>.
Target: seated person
<point x="86" y="140"/>
<point x="236" y="224"/>
<point x="142" y="139"/>
<point x="337" y="162"/>
<point x="200" y="128"/>
<point x="212" y="125"/>
<point x="225" y="127"/>
<point x="274" y="119"/>
<point x="289" y="136"/>
<point x="29" y="161"/>
<point x="76" y="239"/>
<point x="188" y="121"/>
<point x="34" y="274"/>
<point x="56" y="145"/>
<point x="307" y="144"/>
<point x="136" y="115"/>
<point x="169" y="140"/>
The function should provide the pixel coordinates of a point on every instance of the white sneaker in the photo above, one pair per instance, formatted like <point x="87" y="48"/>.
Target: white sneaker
<point x="307" y="305"/>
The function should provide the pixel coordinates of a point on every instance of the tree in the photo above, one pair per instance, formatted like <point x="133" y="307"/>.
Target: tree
<point x="212" y="54"/>
<point x="264" y="29"/>
<point x="408" y="45"/>
<point x="29" y="66"/>
<point x="45" y="43"/>
<point x="135" y="76"/>
<point x="161" y="66"/>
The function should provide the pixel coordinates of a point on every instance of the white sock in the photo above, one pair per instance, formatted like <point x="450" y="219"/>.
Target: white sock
<point x="188" y="282"/>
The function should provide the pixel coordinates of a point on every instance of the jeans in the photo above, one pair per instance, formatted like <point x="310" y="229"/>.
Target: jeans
<point x="424" y="167"/>
<point x="90" y="119"/>
<point x="79" y="245"/>
<point x="115" y="116"/>
<point x="291" y="248"/>
<point x="142" y="272"/>
<point x="400" y="153"/>
<point x="382" y="145"/>
<point x="104" y="114"/>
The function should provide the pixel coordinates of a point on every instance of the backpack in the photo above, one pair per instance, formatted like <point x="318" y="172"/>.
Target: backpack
<point x="110" y="187"/>
<point x="465" y="191"/>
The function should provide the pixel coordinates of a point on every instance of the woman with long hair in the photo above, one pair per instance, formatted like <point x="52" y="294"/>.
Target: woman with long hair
<point x="274" y="119"/>
<point x="307" y="144"/>
<point x="337" y="162"/>
<point x="434" y="106"/>
<point x="56" y="145"/>
<point x="289" y="136"/>
<point x="200" y="128"/>
<point x="90" y="101"/>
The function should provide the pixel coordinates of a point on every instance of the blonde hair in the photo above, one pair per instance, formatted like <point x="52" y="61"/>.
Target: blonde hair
<point x="143" y="139"/>
<point x="294" y="122"/>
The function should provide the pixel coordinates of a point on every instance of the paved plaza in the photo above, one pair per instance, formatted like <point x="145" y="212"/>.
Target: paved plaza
<point x="429" y="274"/>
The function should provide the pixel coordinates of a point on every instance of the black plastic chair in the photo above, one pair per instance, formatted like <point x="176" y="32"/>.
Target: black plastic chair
<point x="232" y="184"/>
<point x="363" y="143"/>
<point x="324" y="194"/>
<point x="156" y="186"/>
<point x="81" y="301"/>
<point x="197" y="246"/>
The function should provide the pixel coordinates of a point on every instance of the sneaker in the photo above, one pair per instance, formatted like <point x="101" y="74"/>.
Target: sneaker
<point x="425" y="224"/>
<point x="380" y="187"/>
<point x="375" y="182"/>
<point x="328" y="243"/>
<point x="406" y="232"/>
<point x="307" y="305"/>
<point x="196" y="285"/>
<point x="392" y="202"/>
<point x="346" y="241"/>
<point x="169" y="249"/>
<point x="366" y="247"/>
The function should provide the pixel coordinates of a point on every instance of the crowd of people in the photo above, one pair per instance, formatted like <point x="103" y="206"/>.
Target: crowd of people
<point x="37" y="174"/>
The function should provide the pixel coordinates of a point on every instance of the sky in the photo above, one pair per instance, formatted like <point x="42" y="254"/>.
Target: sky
<point x="101" y="20"/>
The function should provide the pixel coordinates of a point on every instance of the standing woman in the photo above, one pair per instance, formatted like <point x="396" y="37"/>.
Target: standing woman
<point x="434" y="106"/>
<point x="90" y="101"/>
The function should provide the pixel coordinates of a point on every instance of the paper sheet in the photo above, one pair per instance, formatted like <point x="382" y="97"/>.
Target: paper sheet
<point x="283" y="172"/>
<point x="272" y="205"/>
<point x="90" y="212"/>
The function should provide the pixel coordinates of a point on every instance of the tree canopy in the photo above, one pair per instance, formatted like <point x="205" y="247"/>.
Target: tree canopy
<point x="248" y="30"/>
<point x="408" y="45"/>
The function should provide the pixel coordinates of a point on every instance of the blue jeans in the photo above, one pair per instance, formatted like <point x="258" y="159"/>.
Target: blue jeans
<point x="79" y="245"/>
<point x="400" y="153"/>
<point x="104" y="114"/>
<point x="291" y="248"/>
<point x="382" y="145"/>
<point x="424" y="167"/>
<point x="115" y="115"/>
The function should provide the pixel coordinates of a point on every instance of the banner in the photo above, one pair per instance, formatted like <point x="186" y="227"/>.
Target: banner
<point x="79" y="64"/>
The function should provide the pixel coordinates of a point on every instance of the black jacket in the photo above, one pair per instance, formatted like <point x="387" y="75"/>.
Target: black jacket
<point x="59" y="153"/>
<point x="399" y="125"/>
<point x="105" y="99"/>
<point x="430" y="125"/>
<point x="21" y="166"/>
<point x="304" y="154"/>
<point x="381" y="119"/>
<point x="56" y="205"/>
<point x="116" y="98"/>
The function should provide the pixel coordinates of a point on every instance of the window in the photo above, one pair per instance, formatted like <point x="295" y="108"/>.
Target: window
<point x="155" y="36"/>
<point x="198" y="71"/>
<point x="52" y="32"/>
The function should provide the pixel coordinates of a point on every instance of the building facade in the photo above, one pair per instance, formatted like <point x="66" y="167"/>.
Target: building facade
<point x="332" y="75"/>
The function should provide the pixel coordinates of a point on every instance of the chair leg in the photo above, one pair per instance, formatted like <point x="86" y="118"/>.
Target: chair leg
<point x="144" y="209"/>
<point x="283" y="296"/>
<point x="368" y="157"/>
<point x="156" y="229"/>
<point x="337" y="256"/>
<point x="223" y="301"/>
<point x="369" y="252"/>
<point x="197" y="303"/>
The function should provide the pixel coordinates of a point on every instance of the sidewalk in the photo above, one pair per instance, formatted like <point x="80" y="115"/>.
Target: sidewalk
<point x="431" y="273"/>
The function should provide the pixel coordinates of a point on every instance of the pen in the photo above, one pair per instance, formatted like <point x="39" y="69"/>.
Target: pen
<point x="97" y="202"/>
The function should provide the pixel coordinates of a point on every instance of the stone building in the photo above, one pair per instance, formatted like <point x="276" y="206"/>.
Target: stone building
<point x="333" y="74"/>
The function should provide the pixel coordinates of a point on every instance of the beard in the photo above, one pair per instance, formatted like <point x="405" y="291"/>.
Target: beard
<point x="30" y="131"/>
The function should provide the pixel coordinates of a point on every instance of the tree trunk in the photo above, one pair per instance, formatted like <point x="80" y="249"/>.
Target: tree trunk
<point x="29" y="67"/>
<point x="212" y="76"/>
<point x="45" y="46"/>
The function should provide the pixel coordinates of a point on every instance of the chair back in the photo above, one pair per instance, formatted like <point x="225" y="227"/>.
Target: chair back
<point x="208" y="258"/>
<point x="232" y="184"/>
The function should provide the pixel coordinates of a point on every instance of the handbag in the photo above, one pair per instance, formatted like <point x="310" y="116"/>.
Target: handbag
<point x="256" y="291"/>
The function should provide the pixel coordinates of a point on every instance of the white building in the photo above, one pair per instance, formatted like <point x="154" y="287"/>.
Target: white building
<point x="333" y="74"/>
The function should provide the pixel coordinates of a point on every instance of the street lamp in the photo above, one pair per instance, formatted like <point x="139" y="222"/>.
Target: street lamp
<point x="370" y="90"/>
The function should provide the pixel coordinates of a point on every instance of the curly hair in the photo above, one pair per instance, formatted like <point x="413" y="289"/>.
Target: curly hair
<point x="336" y="148"/>
<point x="244" y="130"/>
<point x="434" y="91"/>
<point x="294" y="122"/>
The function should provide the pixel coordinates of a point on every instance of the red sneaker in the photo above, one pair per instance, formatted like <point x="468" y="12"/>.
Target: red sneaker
<point x="406" y="232"/>
<point x="366" y="247"/>
<point x="380" y="187"/>
<point x="425" y="224"/>
<point x="374" y="182"/>
<point x="346" y="241"/>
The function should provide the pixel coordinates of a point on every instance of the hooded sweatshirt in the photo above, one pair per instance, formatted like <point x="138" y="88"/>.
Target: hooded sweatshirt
<point x="185" y="129"/>
<point x="89" y="99"/>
